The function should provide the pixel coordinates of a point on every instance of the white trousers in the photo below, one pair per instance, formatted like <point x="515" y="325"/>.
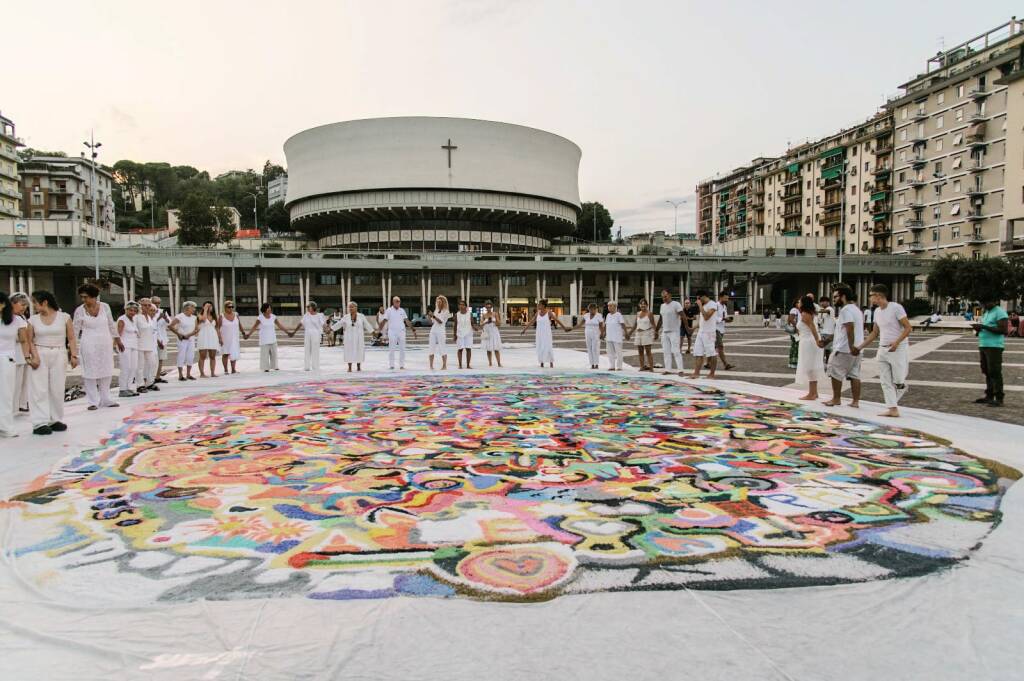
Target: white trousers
<point x="20" y="387"/>
<point x="892" y="371"/>
<point x="396" y="341"/>
<point x="311" y="356"/>
<point x="186" y="352"/>
<point x="97" y="391"/>
<point x="7" y="374"/>
<point x="128" y="368"/>
<point x="46" y="386"/>
<point x="614" y="350"/>
<point x="593" y="336"/>
<point x="268" y="357"/>
<point x="147" y="368"/>
<point x="670" y="349"/>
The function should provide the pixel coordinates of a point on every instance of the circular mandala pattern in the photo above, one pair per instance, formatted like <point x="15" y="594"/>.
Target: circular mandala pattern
<point x="510" y="486"/>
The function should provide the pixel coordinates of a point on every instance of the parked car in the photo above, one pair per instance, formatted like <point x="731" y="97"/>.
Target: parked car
<point x="419" y="320"/>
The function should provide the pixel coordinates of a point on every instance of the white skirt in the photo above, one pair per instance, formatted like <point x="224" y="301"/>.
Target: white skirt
<point x="490" y="338"/>
<point x="207" y="338"/>
<point x="810" y="365"/>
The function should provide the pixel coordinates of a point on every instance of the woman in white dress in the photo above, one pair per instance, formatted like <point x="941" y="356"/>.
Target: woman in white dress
<point x="463" y="333"/>
<point x="436" y="344"/>
<point x="810" y="365"/>
<point x="544" y="318"/>
<point x="354" y="325"/>
<point x="268" y="323"/>
<point x="490" y="336"/>
<point x="19" y="306"/>
<point x="95" y="329"/>
<point x="52" y="337"/>
<point x="644" y="330"/>
<point x="149" y="349"/>
<point x="186" y="327"/>
<point x="208" y="341"/>
<point x="230" y="336"/>
<point x="13" y="334"/>
<point x="312" y="324"/>
<point x="592" y="322"/>
<point x="128" y="359"/>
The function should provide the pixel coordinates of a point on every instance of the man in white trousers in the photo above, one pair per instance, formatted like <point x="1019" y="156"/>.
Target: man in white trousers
<point x="669" y="321"/>
<point x="891" y="328"/>
<point x="395" y="323"/>
<point x="149" y="349"/>
<point x="614" y="336"/>
<point x="162" y="339"/>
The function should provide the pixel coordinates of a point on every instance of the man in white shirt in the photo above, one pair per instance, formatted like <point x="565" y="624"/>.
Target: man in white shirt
<point x="892" y="328"/>
<point x="848" y="334"/>
<point x="614" y="335"/>
<point x="669" y="321"/>
<point x="704" y="346"/>
<point x="394" y="324"/>
<point x="722" y="317"/>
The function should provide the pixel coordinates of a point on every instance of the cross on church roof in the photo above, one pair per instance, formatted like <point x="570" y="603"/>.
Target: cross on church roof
<point x="449" y="148"/>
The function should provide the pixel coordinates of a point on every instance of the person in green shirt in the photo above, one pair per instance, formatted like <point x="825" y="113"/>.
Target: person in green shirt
<point x="991" y="342"/>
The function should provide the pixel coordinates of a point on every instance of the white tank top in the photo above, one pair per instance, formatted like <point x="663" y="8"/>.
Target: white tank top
<point x="130" y="332"/>
<point x="464" y="320"/>
<point x="267" y="334"/>
<point x="53" y="335"/>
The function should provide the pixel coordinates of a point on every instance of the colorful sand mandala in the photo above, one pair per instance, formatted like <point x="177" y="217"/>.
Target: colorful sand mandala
<point x="517" y="487"/>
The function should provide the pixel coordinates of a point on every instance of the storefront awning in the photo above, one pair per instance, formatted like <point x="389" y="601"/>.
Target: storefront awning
<point x="878" y="196"/>
<point x="555" y="301"/>
<point x="833" y="152"/>
<point x="831" y="173"/>
<point x="517" y="301"/>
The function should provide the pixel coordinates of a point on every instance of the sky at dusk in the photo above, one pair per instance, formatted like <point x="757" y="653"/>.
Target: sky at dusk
<point x="659" y="95"/>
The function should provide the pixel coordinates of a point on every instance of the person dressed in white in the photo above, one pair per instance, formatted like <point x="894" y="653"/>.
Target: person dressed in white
<point x="592" y="322"/>
<point x="19" y="305"/>
<point x="846" y="337"/>
<point x="95" y="329"/>
<point x="128" y="360"/>
<point x="395" y="323"/>
<point x="827" y="324"/>
<point x="436" y="342"/>
<point x="354" y="325"/>
<point x="669" y="321"/>
<point x="721" y="319"/>
<point x="145" y="322"/>
<point x="51" y="336"/>
<point x="463" y="331"/>
<point x="704" y="345"/>
<point x="490" y="335"/>
<point x="13" y="333"/>
<point x="208" y="341"/>
<point x="891" y="327"/>
<point x="162" y="338"/>
<point x="268" y="323"/>
<point x="185" y="326"/>
<point x="544" y="318"/>
<point x="644" y="331"/>
<point x="231" y="337"/>
<point x="312" y="324"/>
<point x="614" y="336"/>
<point x="810" y="364"/>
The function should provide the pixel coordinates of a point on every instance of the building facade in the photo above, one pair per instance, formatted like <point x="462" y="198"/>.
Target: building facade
<point x="277" y="190"/>
<point x="60" y="188"/>
<point x="923" y="177"/>
<point x="10" y="182"/>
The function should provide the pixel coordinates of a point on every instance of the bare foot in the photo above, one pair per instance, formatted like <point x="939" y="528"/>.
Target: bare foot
<point x="809" y="397"/>
<point x="854" y="405"/>
<point x="713" y="376"/>
<point x="833" y="403"/>
<point x="891" y="413"/>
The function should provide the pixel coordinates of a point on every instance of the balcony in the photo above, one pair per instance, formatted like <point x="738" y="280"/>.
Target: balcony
<point x="920" y="114"/>
<point x="976" y="166"/>
<point x="790" y="213"/>
<point x="792" y="178"/>
<point x="881" y="229"/>
<point x="975" y="216"/>
<point x="977" y="117"/>
<point x="917" y="182"/>
<point x="975" y="192"/>
<point x="918" y="140"/>
<point x="978" y="92"/>
<point x="916" y="247"/>
<point x="977" y="141"/>
<point x="915" y="204"/>
<point x="881" y="207"/>
<point x="917" y="161"/>
<point x="1015" y="243"/>
<point x="975" y="237"/>
<point x="790" y="196"/>
<point x="914" y="225"/>
<point x="879" y="250"/>
<point x="830" y="218"/>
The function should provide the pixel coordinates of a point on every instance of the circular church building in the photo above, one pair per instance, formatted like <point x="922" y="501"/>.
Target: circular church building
<point x="432" y="183"/>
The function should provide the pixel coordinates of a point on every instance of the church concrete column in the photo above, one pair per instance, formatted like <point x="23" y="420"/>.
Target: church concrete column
<point x="266" y="286"/>
<point x="384" y="289"/>
<point x="21" y="282"/>
<point x="32" y="286"/>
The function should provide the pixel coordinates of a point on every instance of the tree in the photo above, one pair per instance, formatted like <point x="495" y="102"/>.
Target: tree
<point x="196" y="222"/>
<point x="225" y="231"/>
<point x="271" y="171"/>
<point x="585" y="226"/>
<point x="28" y="153"/>
<point x="982" y="280"/>
<point x="277" y="219"/>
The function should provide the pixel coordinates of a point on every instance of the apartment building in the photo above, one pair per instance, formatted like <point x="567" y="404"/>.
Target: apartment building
<point x="951" y="143"/>
<point x="277" y="190"/>
<point x="10" y="184"/>
<point x="59" y="188"/>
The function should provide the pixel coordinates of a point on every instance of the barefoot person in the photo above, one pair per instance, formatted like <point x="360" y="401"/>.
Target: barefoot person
<point x="53" y="341"/>
<point x="891" y="327"/>
<point x="186" y="327"/>
<point x="592" y="322"/>
<point x="543" y="319"/>
<point x="162" y="338"/>
<point x="436" y="343"/>
<point x="810" y="364"/>
<point x="208" y="341"/>
<point x="669" y="322"/>
<point x="643" y="329"/>
<point x="354" y="326"/>
<point x="848" y="334"/>
<point x="490" y="336"/>
<point x="312" y="324"/>
<point x="231" y="337"/>
<point x="704" y="345"/>
<point x="463" y="332"/>
<point x="396" y="321"/>
<point x="268" y="324"/>
<point x="145" y="322"/>
<point x="614" y="336"/>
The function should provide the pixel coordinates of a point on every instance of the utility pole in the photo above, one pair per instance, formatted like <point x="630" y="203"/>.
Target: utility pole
<point x="675" y="218"/>
<point x="94" y="146"/>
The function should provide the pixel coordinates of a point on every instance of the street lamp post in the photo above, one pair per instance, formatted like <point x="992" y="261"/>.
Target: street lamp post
<point x="255" y="217"/>
<point x="675" y="215"/>
<point x="94" y="146"/>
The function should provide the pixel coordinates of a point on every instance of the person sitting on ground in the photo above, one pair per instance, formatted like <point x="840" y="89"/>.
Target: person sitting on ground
<point x="934" y="318"/>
